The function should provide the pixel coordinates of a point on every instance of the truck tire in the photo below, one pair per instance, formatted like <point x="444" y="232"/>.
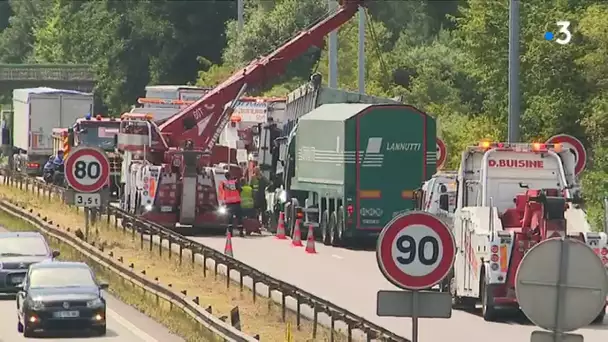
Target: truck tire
<point x="340" y="227"/>
<point x="287" y="218"/>
<point x="325" y="234"/>
<point x="460" y="303"/>
<point x="333" y="230"/>
<point x="487" y="308"/>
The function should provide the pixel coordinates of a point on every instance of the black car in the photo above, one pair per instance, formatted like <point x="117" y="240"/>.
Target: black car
<point x="18" y="250"/>
<point x="61" y="296"/>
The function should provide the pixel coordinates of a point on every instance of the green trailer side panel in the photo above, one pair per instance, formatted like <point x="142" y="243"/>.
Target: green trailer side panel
<point x="396" y="153"/>
<point x="320" y="155"/>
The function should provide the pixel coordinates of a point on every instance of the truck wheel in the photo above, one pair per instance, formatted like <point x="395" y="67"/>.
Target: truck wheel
<point x="274" y="220"/>
<point x="333" y="230"/>
<point x="287" y="217"/>
<point x="460" y="303"/>
<point x="325" y="234"/>
<point x="290" y="225"/>
<point x="488" y="310"/>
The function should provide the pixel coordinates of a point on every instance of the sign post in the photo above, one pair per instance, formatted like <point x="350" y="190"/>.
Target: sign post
<point x="556" y="293"/>
<point x="415" y="252"/>
<point x="87" y="172"/>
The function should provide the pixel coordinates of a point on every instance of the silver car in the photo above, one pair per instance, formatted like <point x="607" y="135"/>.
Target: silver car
<point x="18" y="250"/>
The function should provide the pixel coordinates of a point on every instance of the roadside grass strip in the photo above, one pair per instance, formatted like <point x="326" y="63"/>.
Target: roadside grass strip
<point x="261" y="317"/>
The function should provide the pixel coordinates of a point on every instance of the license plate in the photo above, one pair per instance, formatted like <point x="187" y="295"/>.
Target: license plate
<point x="66" y="314"/>
<point x="17" y="280"/>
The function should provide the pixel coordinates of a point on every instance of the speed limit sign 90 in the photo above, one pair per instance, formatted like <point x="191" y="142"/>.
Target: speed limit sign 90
<point x="87" y="169"/>
<point x="415" y="251"/>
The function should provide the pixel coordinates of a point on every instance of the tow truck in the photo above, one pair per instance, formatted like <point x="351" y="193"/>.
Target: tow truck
<point x="172" y="170"/>
<point x="437" y="196"/>
<point x="510" y="198"/>
<point x="97" y="132"/>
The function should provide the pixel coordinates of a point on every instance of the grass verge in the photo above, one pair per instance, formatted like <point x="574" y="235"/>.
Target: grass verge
<point x="262" y="317"/>
<point x="158" y="309"/>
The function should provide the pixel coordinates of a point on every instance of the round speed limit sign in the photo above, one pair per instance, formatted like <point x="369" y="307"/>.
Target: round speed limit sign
<point x="87" y="169"/>
<point x="415" y="251"/>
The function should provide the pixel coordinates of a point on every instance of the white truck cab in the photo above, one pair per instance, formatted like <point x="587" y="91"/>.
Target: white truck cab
<point x="511" y="197"/>
<point x="437" y="196"/>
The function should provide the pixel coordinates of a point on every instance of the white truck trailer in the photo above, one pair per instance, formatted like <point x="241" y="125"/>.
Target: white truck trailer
<point x="36" y="112"/>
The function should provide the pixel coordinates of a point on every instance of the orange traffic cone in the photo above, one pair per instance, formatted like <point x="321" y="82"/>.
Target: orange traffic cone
<point x="297" y="235"/>
<point x="228" y="247"/>
<point x="310" y="241"/>
<point x="281" y="227"/>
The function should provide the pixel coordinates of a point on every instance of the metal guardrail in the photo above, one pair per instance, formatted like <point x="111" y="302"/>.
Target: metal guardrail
<point x="147" y="229"/>
<point x="188" y="305"/>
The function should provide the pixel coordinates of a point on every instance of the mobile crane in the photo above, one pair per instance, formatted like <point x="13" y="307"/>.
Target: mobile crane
<point x="172" y="171"/>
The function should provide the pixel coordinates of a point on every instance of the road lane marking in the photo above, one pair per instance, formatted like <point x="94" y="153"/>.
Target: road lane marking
<point x="130" y="326"/>
<point x="337" y="256"/>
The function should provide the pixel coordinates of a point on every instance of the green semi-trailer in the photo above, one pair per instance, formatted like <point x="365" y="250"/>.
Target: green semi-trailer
<point x="349" y="168"/>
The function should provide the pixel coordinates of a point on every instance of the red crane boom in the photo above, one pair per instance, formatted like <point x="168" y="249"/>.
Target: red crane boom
<point x="203" y="121"/>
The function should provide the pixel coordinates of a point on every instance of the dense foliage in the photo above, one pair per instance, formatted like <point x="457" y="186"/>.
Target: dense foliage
<point x="446" y="57"/>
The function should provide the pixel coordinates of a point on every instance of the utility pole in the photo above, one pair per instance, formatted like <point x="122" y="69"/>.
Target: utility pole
<point x="514" y="95"/>
<point x="333" y="51"/>
<point x="361" y="50"/>
<point x="240" y="14"/>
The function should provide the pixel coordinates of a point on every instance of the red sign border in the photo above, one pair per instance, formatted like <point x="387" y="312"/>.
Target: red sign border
<point x="101" y="158"/>
<point x="581" y="152"/>
<point x="385" y="242"/>
<point x="444" y="153"/>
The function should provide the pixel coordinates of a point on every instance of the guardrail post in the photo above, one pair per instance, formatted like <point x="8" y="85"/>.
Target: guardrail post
<point x="253" y="288"/>
<point x="298" y="311"/>
<point x="21" y="183"/>
<point x="283" y="304"/>
<point x="350" y="332"/>
<point x="315" y="320"/>
<point x="227" y="275"/>
<point x="108" y="213"/>
<point x="133" y="231"/>
<point x="141" y="238"/>
<point x="204" y="263"/>
<point x="169" y="242"/>
<point x="181" y="253"/>
<point x="333" y="326"/>
<point x="160" y="243"/>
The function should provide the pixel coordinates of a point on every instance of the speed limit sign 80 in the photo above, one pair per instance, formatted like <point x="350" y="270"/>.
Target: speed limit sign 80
<point x="415" y="251"/>
<point x="87" y="169"/>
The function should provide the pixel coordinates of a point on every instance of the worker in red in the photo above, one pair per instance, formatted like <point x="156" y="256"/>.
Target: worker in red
<point x="230" y="196"/>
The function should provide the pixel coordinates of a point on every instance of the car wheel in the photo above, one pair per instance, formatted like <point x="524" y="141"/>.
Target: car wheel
<point x="100" y="331"/>
<point x="27" y="332"/>
<point x="19" y="326"/>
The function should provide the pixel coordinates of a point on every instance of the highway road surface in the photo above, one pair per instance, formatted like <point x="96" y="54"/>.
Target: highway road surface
<point x="350" y="279"/>
<point x="125" y="324"/>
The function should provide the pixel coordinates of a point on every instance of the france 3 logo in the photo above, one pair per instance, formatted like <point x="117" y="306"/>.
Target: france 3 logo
<point x="563" y="35"/>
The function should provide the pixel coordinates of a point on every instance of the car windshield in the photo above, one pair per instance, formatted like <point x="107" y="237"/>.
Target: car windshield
<point x="99" y="135"/>
<point x="61" y="277"/>
<point x="23" y="246"/>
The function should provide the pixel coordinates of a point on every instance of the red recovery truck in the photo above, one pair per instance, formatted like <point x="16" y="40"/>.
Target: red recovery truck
<point x="510" y="198"/>
<point x="172" y="170"/>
